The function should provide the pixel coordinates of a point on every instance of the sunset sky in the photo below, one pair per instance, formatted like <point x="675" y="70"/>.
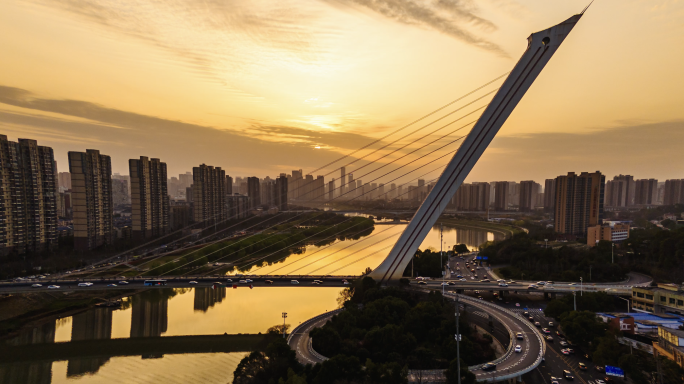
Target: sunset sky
<point x="254" y="86"/>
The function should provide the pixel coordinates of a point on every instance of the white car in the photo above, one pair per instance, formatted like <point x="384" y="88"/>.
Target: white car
<point x="249" y="280"/>
<point x="85" y="284"/>
<point x="112" y="285"/>
<point x="192" y="282"/>
<point x="242" y="281"/>
<point x="36" y="285"/>
<point x="518" y="348"/>
<point x="53" y="287"/>
<point x="503" y="285"/>
<point x="541" y="282"/>
<point x="294" y="282"/>
<point x="445" y="283"/>
<point x="123" y="282"/>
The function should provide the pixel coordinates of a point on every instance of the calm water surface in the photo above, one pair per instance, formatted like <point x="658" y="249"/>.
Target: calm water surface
<point x="206" y="311"/>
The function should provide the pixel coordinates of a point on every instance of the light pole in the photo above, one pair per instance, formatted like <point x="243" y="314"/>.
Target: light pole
<point x="612" y="256"/>
<point x="546" y="243"/>
<point x="581" y="286"/>
<point x="574" y="298"/>
<point x="627" y="300"/>
<point x="441" y="265"/>
<point x="284" y="317"/>
<point x="590" y="273"/>
<point x="458" y="341"/>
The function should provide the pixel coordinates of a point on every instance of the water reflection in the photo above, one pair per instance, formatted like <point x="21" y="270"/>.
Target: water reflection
<point x="39" y="372"/>
<point x="94" y="324"/>
<point x="206" y="298"/>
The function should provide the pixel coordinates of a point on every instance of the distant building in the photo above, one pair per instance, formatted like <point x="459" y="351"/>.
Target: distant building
<point x="180" y="215"/>
<point x="549" y="194"/>
<point x="673" y="192"/>
<point x="209" y="194"/>
<point x="64" y="181"/>
<point x="120" y="194"/>
<point x="149" y="198"/>
<point x="615" y="233"/>
<point x="472" y="197"/>
<point x="578" y="202"/>
<point x="28" y="197"/>
<point x="646" y="192"/>
<point x="665" y="298"/>
<point x="528" y="195"/>
<point x="331" y="186"/>
<point x="620" y="191"/>
<point x="253" y="191"/>
<point x="238" y="206"/>
<point x="91" y="180"/>
<point x="501" y="195"/>
<point x="281" y="190"/>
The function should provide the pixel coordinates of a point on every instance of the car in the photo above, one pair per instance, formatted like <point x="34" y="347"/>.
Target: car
<point x="582" y="366"/>
<point x="422" y="283"/>
<point x="517" y="304"/>
<point x="480" y="297"/>
<point x="511" y="282"/>
<point x="519" y="336"/>
<point x="564" y="343"/>
<point x="500" y="280"/>
<point x="565" y="351"/>
<point x="599" y="381"/>
<point x="559" y="334"/>
<point x="192" y="282"/>
<point x="294" y="282"/>
<point x="112" y="285"/>
<point x="554" y="380"/>
<point x="345" y="282"/>
<point x="249" y="281"/>
<point x="444" y="283"/>
<point x="489" y="367"/>
<point x="599" y="368"/>
<point x="537" y="324"/>
<point x="484" y="281"/>
<point x="572" y="284"/>
<point x="541" y="282"/>
<point x="549" y="282"/>
<point x="531" y="286"/>
<point x="550" y="323"/>
<point x="53" y="287"/>
<point x="568" y="375"/>
<point x="503" y="285"/>
<point x="36" y="285"/>
<point x="546" y="331"/>
<point x="123" y="282"/>
<point x="229" y="280"/>
<point x="85" y="284"/>
<point x="268" y="281"/>
<point x="570" y="351"/>
<point x="530" y="318"/>
<point x="217" y="283"/>
<point x="242" y="282"/>
<point x="526" y="313"/>
<point x="518" y="349"/>
<point x="459" y="276"/>
<point x="451" y="283"/>
<point x="477" y="292"/>
<point x="549" y="339"/>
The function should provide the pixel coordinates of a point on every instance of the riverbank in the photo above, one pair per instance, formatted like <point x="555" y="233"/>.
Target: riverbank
<point x="503" y="229"/>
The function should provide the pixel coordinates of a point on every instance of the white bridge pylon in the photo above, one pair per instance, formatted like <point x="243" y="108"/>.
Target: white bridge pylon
<point x="541" y="47"/>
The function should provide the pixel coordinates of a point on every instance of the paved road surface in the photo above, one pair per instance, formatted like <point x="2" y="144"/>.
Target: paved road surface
<point x="300" y="342"/>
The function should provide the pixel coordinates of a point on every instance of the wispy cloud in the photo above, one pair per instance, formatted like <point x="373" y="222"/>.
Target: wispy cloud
<point x="455" y="18"/>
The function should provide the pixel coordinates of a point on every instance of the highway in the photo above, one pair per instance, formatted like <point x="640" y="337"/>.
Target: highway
<point x="300" y="341"/>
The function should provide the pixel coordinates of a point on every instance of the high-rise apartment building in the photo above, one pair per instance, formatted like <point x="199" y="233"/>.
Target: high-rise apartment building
<point x="267" y="191"/>
<point x="254" y="192"/>
<point x="331" y="188"/>
<point x="673" y="192"/>
<point x="28" y="197"/>
<point x="209" y="194"/>
<point x="91" y="193"/>
<point x="343" y="173"/>
<point x="149" y="198"/>
<point x="502" y="195"/>
<point x="281" y="191"/>
<point x="120" y="193"/>
<point x="472" y="197"/>
<point x="620" y="191"/>
<point x="549" y="194"/>
<point x="646" y="192"/>
<point x="528" y="195"/>
<point x="579" y="202"/>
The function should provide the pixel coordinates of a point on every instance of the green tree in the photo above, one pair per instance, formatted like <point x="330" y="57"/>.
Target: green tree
<point x="340" y="369"/>
<point x="583" y="327"/>
<point x="467" y="377"/>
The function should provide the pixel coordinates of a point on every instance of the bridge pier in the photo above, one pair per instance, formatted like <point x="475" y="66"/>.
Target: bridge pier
<point x="501" y="293"/>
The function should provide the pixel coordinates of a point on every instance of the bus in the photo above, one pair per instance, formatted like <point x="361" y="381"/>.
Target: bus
<point x="154" y="283"/>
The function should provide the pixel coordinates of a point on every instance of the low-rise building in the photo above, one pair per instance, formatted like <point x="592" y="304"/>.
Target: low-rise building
<point x="615" y="232"/>
<point x="661" y="299"/>
<point x="670" y="344"/>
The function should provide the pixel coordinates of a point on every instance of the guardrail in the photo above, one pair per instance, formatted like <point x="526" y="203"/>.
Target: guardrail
<point x="535" y="331"/>
<point x="298" y="328"/>
<point x="170" y="279"/>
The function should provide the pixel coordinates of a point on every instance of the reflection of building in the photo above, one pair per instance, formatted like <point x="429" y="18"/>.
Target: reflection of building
<point x="578" y="202"/>
<point x="206" y="298"/>
<point x="94" y="324"/>
<point x="32" y="372"/>
<point x="149" y="317"/>
<point x="149" y="197"/>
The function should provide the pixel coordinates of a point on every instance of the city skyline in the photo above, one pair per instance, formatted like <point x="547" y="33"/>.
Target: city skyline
<point x="264" y="110"/>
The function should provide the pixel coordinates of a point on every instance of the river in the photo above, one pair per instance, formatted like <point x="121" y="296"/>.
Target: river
<point x="204" y="311"/>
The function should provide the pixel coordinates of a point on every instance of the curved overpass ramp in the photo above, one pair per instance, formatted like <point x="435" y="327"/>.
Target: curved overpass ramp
<point x="510" y="365"/>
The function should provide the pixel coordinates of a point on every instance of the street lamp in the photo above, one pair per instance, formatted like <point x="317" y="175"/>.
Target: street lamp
<point x="581" y="286"/>
<point x="284" y="317"/>
<point x="612" y="257"/>
<point x="458" y="341"/>
<point x="546" y="243"/>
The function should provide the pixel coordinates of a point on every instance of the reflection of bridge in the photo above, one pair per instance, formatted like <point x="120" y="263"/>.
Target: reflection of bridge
<point x="102" y="350"/>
